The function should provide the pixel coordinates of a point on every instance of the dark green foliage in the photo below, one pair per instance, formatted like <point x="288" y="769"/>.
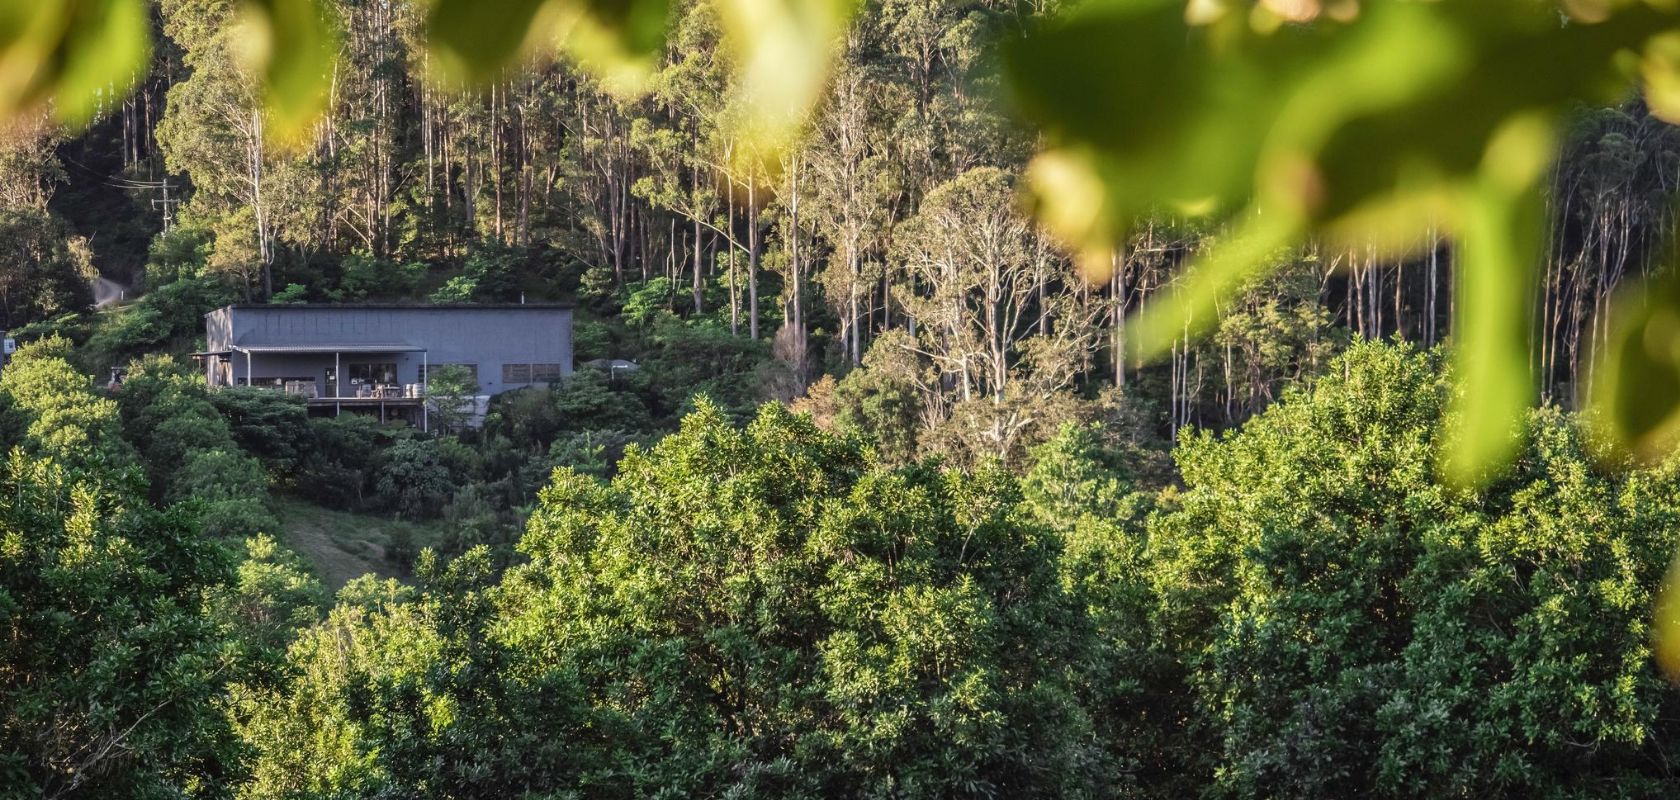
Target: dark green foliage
<point x="595" y="287"/>
<point x="233" y="488"/>
<point x="13" y="423"/>
<point x="776" y="612"/>
<point x="1354" y="628"/>
<point x="73" y="327"/>
<point x="591" y="339"/>
<point x="750" y="613"/>
<point x="443" y="725"/>
<point x="451" y="395"/>
<point x="594" y="453"/>
<point x="190" y="451"/>
<point x="293" y="293"/>
<point x="42" y="275"/>
<point x="110" y="676"/>
<point x="524" y="418"/>
<point x="489" y="275"/>
<point x="532" y="419"/>
<point x="168" y="415"/>
<point x="881" y="401"/>
<point x="648" y="304"/>
<point x="367" y="277"/>
<point x="702" y="358"/>
<point x="237" y="518"/>
<point x="179" y="255"/>
<point x="413" y="480"/>
<point x="338" y="468"/>
<point x="591" y="400"/>
<point x="273" y="426"/>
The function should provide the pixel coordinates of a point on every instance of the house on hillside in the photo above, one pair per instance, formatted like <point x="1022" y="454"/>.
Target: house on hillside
<point x="374" y="358"/>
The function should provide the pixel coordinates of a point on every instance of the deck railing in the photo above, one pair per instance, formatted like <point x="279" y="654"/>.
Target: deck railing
<point x="310" y="390"/>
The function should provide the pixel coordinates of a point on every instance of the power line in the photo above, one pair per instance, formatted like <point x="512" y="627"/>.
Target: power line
<point x="129" y="184"/>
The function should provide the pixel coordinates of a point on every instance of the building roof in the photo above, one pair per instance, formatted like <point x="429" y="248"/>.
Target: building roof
<point x="395" y="347"/>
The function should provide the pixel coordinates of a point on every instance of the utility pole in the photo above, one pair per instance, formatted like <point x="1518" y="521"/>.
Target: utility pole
<point x="164" y="203"/>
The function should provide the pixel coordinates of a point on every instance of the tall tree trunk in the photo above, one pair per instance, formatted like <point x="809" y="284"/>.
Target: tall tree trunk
<point x="752" y="256"/>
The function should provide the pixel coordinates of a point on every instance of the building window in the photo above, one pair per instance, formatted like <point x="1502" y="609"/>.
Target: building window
<point x="472" y="370"/>
<point x="513" y="374"/>
<point x="373" y="373"/>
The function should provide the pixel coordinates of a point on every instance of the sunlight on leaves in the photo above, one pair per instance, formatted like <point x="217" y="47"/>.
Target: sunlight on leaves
<point x="1665" y="629"/>
<point x="617" y="40"/>
<point x="783" y="51"/>
<point x="1660" y="71"/>
<point x="291" y="46"/>
<point x="1502" y="228"/>
<point x="1636" y="382"/>
<point x="1296" y="112"/>
<point x="77" y="55"/>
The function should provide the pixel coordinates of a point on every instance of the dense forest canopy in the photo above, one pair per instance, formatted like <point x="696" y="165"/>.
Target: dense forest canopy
<point x="891" y="503"/>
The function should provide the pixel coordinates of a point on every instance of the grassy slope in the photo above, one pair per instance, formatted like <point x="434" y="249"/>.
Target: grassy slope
<point x="342" y="546"/>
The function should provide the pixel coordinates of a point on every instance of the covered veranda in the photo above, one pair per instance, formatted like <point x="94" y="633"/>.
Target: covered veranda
<point x="379" y="394"/>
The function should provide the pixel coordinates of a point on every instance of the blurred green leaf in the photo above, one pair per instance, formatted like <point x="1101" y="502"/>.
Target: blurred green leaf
<point x="1317" y="129"/>
<point x="783" y="51"/>
<point x="1665" y="627"/>
<point x="1502" y="230"/>
<point x="1636" y="384"/>
<point x="471" y="45"/>
<point x="79" y="54"/>
<point x="616" y="39"/>
<point x="291" y="45"/>
<point x="105" y="54"/>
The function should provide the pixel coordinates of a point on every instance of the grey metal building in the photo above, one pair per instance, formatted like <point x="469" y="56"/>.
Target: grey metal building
<point x="375" y="357"/>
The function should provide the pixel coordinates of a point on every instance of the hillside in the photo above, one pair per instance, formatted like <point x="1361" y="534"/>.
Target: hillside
<point x="899" y="399"/>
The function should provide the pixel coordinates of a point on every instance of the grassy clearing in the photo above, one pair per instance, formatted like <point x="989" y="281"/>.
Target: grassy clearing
<point x="342" y="546"/>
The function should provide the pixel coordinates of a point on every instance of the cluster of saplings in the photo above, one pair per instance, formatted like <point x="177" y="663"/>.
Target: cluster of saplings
<point x="771" y="611"/>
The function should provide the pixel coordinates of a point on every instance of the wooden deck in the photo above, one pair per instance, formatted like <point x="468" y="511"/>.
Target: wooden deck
<point x="363" y="402"/>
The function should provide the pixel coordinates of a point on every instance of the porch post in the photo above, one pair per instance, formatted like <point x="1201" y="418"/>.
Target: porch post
<point x="338" y="385"/>
<point x="425" y="392"/>
<point x="248" y="375"/>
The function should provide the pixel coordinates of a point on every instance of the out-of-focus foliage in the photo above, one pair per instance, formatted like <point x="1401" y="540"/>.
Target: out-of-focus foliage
<point x="1295" y="120"/>
<point x="74" y="56"/>
<point x="80" y="56"/>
